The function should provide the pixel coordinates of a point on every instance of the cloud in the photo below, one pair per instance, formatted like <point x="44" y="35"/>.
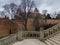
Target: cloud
<point x="3" y="2"/>
<point x="45" y="7"/>
<point x="40" y="3"/>
<point x="50" y="5"/>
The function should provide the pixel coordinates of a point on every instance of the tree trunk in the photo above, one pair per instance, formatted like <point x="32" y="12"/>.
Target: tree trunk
<point x="25" y="24"/>
<point x="45" y="19"/>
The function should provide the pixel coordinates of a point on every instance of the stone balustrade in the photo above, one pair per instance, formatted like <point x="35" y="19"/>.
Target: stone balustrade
<point x="8" y="40"/>
<point x="28" y="34"/>
<point x="52" y="31"/>
<point x="42" y="34"/>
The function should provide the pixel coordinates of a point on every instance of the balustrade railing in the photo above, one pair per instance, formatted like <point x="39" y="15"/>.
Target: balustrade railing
<point x="52" y="31"/>
<point x="8" y="40"/>
<point x="42" y="34"/>
<point x="28" y="34"/>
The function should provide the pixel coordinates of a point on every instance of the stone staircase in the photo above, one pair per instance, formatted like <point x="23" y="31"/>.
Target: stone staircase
<point x="50" y="36"/>
<point x="52" y="41"/>
<point x="55" y="40"/>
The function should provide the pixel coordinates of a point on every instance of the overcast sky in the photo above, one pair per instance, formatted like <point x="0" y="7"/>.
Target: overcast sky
<point x="50" y="5"/>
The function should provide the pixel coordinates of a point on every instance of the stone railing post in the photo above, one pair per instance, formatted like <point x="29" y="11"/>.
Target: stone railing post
<point x="41" y="34"/>
<point x="20" y="35"/>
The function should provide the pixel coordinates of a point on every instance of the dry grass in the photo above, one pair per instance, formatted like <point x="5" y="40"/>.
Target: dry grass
<point x="51" y="21"/>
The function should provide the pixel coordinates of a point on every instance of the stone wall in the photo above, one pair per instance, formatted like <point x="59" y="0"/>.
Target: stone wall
<point x="5" y="26"/>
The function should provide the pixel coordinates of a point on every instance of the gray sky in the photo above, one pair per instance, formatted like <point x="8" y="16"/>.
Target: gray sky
<point x="3" y="2"/>
<point x="50" y="5"/>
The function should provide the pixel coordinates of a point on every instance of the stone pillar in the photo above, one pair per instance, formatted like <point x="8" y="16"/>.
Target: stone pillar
<point x="41" y="34"/>
<point x="20" y="35"/>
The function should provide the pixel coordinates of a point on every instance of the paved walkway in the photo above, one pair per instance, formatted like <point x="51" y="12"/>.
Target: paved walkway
<point x="51" y="41"/>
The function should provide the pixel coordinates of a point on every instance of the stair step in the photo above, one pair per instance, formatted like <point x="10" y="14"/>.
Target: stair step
<point x="43" y="43"/>
<point x="53" y="43"/>
<point x="57" y="39"/>
<point x="47" y="43"/>
<point x="57" y="42"/>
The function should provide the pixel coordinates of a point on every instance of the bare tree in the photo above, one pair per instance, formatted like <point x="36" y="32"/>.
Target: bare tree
<point x="10" y="10"/>
<point x="25" y="8"/>
<point x="36" y="23"/>
<point x="48" y="16"/>
<point x="45" y="12"/>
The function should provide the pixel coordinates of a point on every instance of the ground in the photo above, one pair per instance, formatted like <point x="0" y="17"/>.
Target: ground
<point x="29" y="42"/>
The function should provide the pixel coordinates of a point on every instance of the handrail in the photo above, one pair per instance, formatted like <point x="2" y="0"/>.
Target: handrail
<point x="28" y="34"/>
<point x="51" y="31"/>
<point x="7" y="40"/>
